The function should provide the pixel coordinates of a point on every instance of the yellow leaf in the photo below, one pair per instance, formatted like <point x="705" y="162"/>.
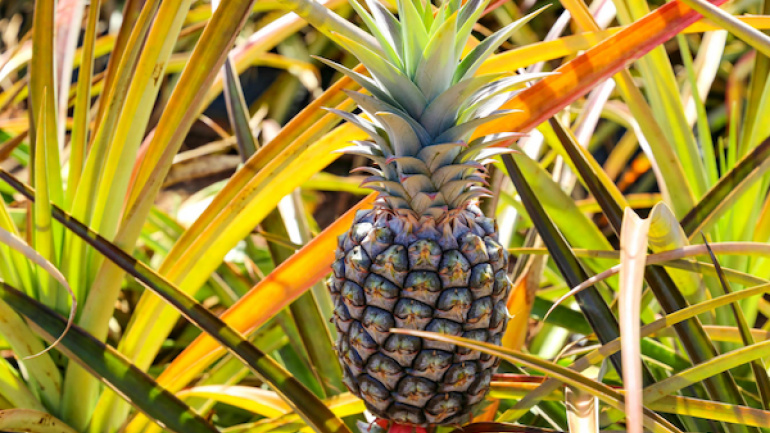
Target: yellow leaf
<point x="281" y="287"/>
<point x="257" y="400"/>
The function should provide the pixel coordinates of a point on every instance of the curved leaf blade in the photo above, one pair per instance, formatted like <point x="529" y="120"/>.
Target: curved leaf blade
<point x="105" y="362"/>
<point x="285" y="283"/>
<point x="311" y="408"/>
<point x="652" y="421"/>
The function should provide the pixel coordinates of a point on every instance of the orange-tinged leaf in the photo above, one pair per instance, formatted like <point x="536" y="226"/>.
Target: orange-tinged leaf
<point x="282" y="286"/>
<point x="520" y="304"/>
<point x="577" y="77"/>
<point x="250" y="203"/>
<point x="238" y="192"/>
<point x="489" y="412"/>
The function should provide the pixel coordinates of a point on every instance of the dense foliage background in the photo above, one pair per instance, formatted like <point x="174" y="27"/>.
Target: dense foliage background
<point x="194" y="143"/>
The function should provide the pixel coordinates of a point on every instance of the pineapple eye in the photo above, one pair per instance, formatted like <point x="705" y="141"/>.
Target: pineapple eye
<point x="380" y="292"/>
<point x="460" y="377"/>
<point x="482" y="280"/>
<point x="424" y="254"/>
<point x="432" y="364"/>
<point x="454" y="270"/>
<point x="411" y="314"/>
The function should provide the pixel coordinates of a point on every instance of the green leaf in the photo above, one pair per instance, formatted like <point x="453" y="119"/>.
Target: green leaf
<point x="694" y="339"/>
<point x="309" y="408"/>
<point x="403" y="138"/>
<point x="707" y="369"/>
<point x="753" y="37"/>
<point x="702" y="121"/>
<point x="652" y="421"/>
<point x="106" y="363"/>
<point x="730" y="187"/>
<point x="666" y="234"/>
<point x="327" y="22"/>
<point x="238" y="111"/>
<point x="311" y="326"/>
<point x="42" y="75"/>
<point x="577" y="227"/>
<point x="596" y="310"/>
<point x="414" y="35"/>
<point x="757" y="366"/>
<point x="442" y="113"/>
<point x="392" y="80"/>
<point x="363" y="81"/>
<point x="43" y="374"/>
<point x="469" y="13"/>
<point x="384" y="27"/>
<point x="82" y="113"/>
<point x="372" y="106"/>
<point x="436" y="66"/>
<point x="14" y="266"/>
<point x="476" y="57"/>
<point x="43" y="231"/>
<point x="34" y="421"/>
<point x="759" y="96"/>
<point x="463" y="131"/>
<point x="495" y="94"/>
<point x="15" y="390"/>
<point x="657" y="327"/>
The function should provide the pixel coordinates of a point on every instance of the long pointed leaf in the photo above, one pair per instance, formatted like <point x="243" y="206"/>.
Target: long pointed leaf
<point x="633" y="249"/>
<point x="15" y="390"/>
<point x="106" y="363"/>
<point x="43" y="373"/>
<point x="757" y="366"/>
<point x="612" y="347"/>
<point x="748" y="34"/>
<point x="730" y="187"/>
<point x="33" y="421"/>
<point x="43" y="231"/>
<point x="652" y="421"/>
<point x="283" y="285"/>
<point x="598" y="314"/>
<point x="692" y="336"/>
<point x="311" y="409"/>
<point x="481" y="52"/>
<point x="82" y="114"/>
<point x="576" y="78"/>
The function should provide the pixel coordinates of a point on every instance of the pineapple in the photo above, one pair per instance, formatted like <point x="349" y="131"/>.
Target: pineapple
<point x="424" y="257"/>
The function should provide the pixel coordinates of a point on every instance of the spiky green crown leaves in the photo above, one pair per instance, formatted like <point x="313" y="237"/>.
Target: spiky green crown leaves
<point x="426" y="102"/>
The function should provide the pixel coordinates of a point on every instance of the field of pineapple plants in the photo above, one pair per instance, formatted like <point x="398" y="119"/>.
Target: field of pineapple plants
<point x="371" y="216"/>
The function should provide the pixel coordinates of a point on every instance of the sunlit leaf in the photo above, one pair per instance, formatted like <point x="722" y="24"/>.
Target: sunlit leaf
<point x="633" y="249"/>
<point x="284" y="284"/>
<point x="652" y="421"/>
<point x="33" y="421"/>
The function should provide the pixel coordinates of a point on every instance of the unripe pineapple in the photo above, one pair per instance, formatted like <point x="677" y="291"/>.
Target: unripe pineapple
<point x="425" y="257"/>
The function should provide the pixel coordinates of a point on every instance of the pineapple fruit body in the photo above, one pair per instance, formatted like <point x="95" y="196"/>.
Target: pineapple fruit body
<point x="425" y="257"/>
<point x="448" y="277"/>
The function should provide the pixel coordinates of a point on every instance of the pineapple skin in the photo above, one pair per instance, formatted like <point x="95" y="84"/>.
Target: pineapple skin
<point x="395" y="271"/>
<point x="425" y="258"/>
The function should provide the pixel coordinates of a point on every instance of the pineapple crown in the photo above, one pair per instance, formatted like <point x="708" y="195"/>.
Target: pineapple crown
<point x="425" y="103"/>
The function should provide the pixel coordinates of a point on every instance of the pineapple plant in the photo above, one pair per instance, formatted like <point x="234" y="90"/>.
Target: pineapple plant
<point x="425" y="257"/>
